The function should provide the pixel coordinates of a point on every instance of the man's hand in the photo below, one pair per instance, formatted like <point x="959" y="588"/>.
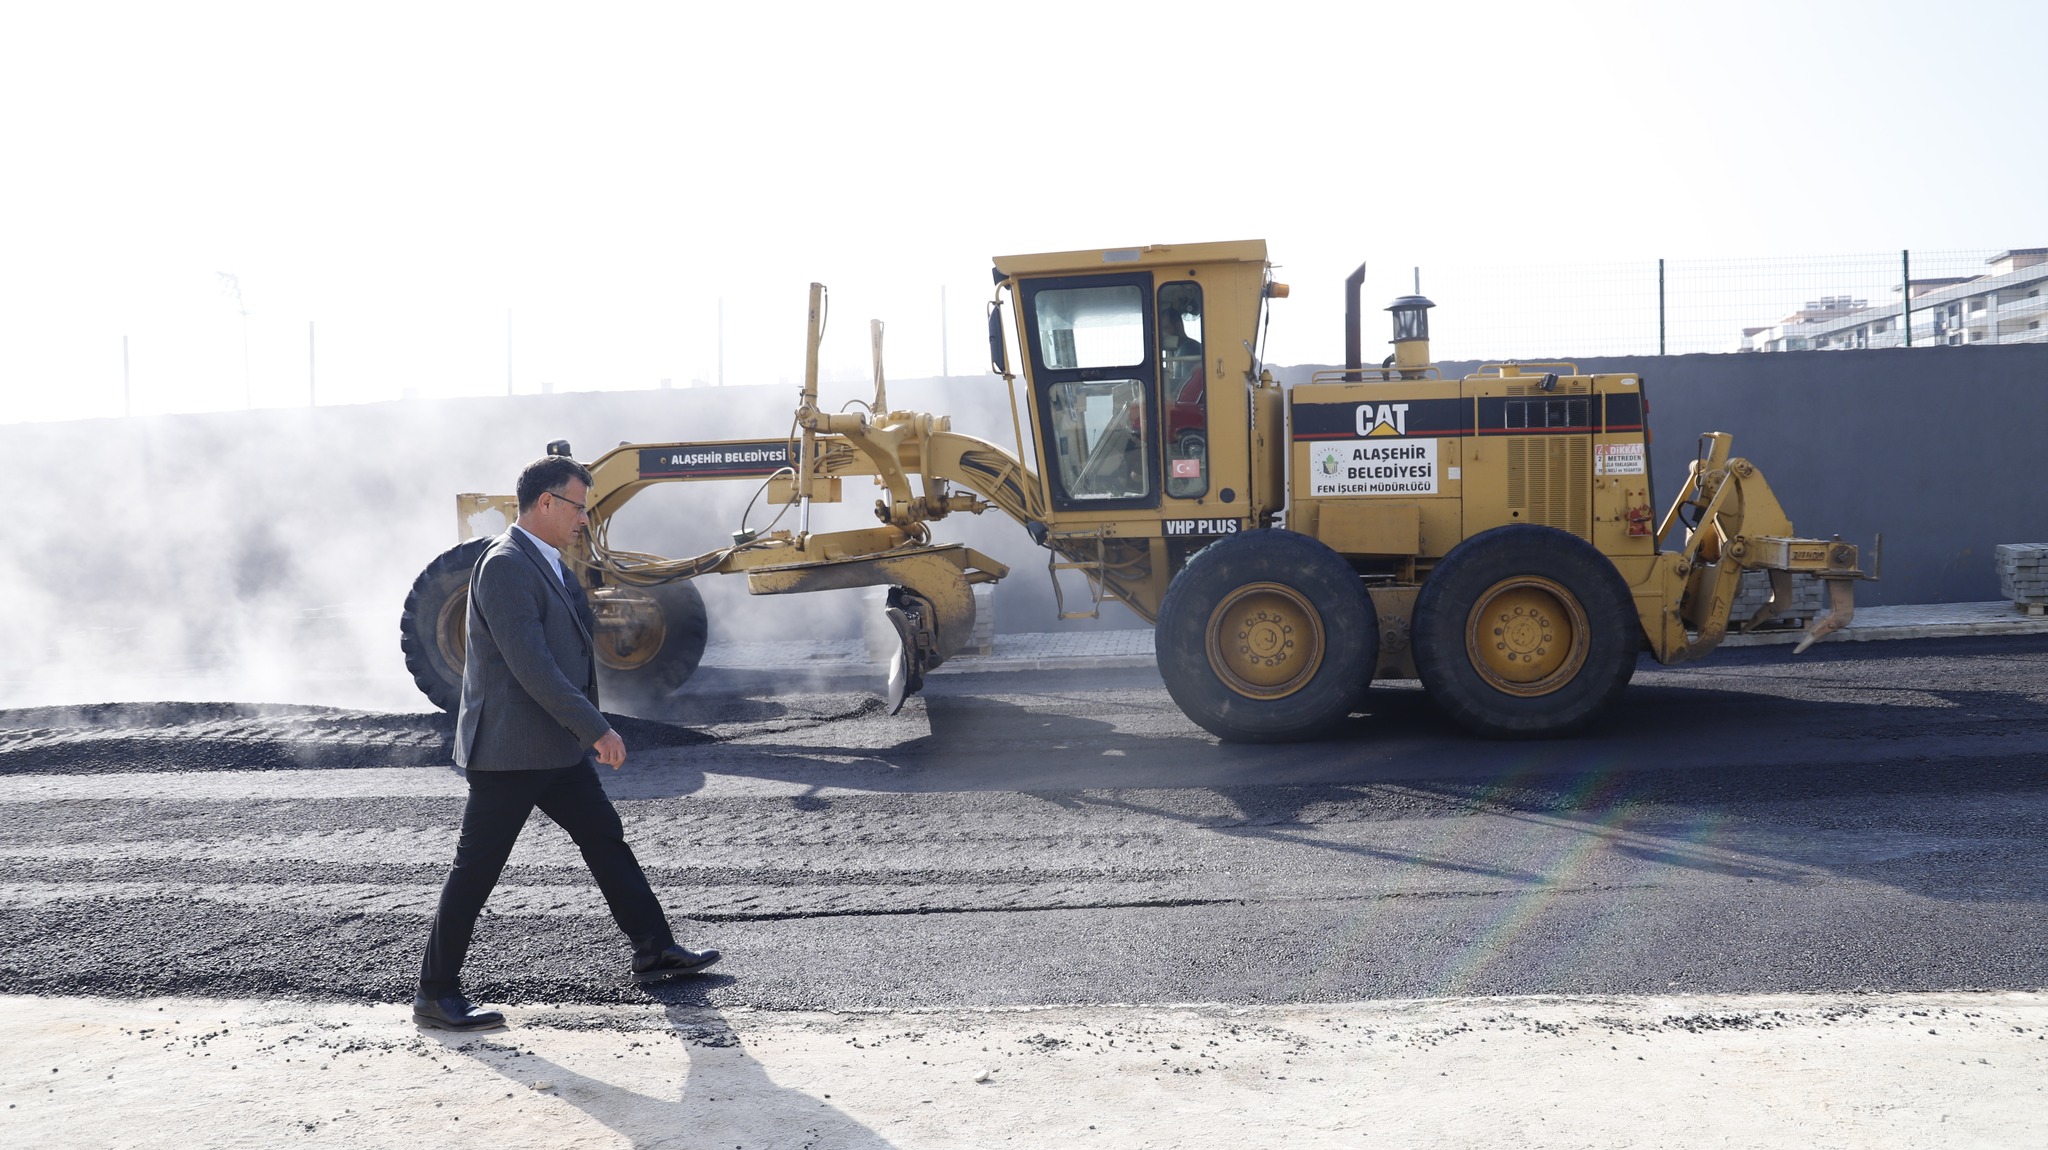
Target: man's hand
<point x="611" y="750"/>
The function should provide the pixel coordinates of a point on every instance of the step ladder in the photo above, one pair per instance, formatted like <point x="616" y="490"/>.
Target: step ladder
<point x="1097" y="571"/>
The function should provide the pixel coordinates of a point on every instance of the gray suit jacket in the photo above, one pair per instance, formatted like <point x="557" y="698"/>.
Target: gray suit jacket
<point x="529" y="683"/>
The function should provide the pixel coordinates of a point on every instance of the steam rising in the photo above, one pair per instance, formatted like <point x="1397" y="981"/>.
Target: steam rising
<point x="264" y="556"/>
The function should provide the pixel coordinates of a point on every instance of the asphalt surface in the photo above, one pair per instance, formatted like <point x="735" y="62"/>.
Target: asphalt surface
<point x="1865" y="817"/>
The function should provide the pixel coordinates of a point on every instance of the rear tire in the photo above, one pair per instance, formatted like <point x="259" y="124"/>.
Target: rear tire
<point x="639" y="667"/>
<point x="433" y="628"/>
<point x="1266" y="637"/>
<point x="1525" y="632"/>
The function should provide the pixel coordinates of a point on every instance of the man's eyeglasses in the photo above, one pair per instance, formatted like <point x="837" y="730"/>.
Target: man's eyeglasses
<point x="581" y="509"/>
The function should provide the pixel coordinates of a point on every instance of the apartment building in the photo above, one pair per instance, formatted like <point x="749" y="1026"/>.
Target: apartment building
<point x="2007" y="304"/>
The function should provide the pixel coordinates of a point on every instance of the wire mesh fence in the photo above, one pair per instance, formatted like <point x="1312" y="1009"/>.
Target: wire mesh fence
<point x="1678" y="306"/>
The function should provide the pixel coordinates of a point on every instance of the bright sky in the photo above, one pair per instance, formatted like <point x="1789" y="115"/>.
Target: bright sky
<point x="405" y="176"/>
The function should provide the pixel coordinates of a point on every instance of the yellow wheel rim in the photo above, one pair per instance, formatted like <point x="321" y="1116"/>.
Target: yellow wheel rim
<point x="630" y="630"/>
<point x="1265" y="640"/>
<point x="451" y="629"/>
<point x="1527" y="636"/>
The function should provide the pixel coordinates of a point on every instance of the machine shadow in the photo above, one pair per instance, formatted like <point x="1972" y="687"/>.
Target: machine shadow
<point x="1680" y="755"/>
<point x="1036" y="740"/>
<point x="1624" y="789"/>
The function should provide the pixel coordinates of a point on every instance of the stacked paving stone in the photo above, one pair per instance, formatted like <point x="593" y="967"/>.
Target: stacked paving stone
<point x="984" y="640"/>
<point x="2023" y="575"/>
<point x="1756" y="591"/>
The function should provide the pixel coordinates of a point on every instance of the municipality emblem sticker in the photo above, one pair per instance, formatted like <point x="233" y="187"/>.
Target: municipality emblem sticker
<point x="1329" y="462"/>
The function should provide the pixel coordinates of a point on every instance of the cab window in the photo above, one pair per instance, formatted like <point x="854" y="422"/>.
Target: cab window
<point x="1099" y="436"/>
<point x="1091" y="326"/>
<point x="1184" y="386"/>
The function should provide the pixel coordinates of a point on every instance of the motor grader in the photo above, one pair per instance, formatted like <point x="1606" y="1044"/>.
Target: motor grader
<point x="1492" y="536"/>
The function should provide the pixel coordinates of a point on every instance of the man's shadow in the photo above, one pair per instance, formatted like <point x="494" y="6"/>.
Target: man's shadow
<point x="726" y="1097"/>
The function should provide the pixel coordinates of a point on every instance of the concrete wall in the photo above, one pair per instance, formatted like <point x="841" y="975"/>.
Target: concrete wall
<point x="1944" y="450"/>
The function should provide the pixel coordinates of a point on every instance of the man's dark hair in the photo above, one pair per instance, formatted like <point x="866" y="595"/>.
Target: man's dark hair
<point x="546" y="474"/>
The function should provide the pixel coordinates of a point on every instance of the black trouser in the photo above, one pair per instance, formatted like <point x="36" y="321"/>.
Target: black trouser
<point x="499" y="803"/>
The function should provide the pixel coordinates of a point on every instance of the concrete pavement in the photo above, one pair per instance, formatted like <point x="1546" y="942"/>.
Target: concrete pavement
<point x="1804" y="1071"/>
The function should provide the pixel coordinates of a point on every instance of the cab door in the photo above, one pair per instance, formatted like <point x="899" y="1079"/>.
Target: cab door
<point x="1094" y="372"/>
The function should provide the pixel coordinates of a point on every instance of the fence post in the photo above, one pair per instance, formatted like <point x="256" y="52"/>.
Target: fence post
<point x="1906" y="292"/>
<point x="1660" y="305"/>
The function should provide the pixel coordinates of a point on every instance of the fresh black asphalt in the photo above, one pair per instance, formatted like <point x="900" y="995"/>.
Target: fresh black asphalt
<point x="1864" y="817"/>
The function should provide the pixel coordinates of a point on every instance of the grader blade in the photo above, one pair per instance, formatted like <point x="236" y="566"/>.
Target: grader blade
<point x="899" y="662"/>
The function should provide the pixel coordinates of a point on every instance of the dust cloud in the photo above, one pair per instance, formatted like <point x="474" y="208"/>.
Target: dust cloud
<point x="264" y="556"/>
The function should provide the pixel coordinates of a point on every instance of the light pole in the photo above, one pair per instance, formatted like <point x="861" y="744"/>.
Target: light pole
<point x="232" y="285"/>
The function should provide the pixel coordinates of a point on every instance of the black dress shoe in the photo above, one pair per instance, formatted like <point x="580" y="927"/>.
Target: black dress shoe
<point x="671" y="963"/>
<point x="454" y="1012"/>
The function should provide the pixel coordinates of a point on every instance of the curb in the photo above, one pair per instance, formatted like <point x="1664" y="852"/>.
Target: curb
<point x="1935" y="621"/>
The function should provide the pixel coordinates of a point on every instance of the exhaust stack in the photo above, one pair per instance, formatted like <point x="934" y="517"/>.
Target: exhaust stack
<point x="1354" y="348"/>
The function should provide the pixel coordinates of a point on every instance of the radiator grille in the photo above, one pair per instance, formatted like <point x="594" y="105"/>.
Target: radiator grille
<point x="1550" y="481"/>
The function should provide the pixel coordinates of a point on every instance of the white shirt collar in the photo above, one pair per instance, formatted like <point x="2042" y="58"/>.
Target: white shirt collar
<point x="554" y="555"/>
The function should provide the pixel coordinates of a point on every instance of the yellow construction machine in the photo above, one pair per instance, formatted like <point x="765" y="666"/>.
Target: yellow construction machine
<point x="1492" y="535"/>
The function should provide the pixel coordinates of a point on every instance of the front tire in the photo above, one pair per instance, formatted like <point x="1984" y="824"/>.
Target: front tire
<point x="433" y="629"/>
<point x="1525" y="632"/>
<point x="1265" y="637"/>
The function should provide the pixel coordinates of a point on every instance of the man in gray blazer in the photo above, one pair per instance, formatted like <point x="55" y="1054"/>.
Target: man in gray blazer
<point x="527" y="730"/>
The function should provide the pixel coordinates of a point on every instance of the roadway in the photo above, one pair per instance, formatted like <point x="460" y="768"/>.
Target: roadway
<point x="1865" y="817"/>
